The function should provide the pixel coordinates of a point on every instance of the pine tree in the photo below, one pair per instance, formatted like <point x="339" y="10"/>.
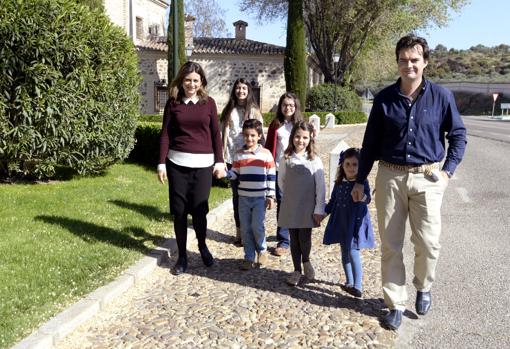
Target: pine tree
<point x="295" y="54"/>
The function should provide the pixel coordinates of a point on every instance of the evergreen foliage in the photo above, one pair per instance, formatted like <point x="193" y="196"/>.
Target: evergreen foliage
<point x="69" y="89"/>
<point x="295" y="53"/>
<point x="92" y="4"/>
<point x="321" y="98"/>
<point x="170" y="39"/>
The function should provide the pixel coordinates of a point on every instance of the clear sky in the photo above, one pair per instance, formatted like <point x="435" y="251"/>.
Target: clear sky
<point x="485" y="22"/>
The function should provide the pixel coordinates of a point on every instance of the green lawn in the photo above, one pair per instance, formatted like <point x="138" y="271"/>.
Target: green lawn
<point x="62" y="240"/>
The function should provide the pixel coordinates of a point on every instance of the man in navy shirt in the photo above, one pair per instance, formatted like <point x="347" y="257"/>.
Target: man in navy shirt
<point x="406" y="133"/>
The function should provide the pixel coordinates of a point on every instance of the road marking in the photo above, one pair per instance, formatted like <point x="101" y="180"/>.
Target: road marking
<point x="463" y="193"/>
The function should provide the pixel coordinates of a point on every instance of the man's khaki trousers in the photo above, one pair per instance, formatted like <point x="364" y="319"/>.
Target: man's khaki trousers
<point x="400" y="194"/>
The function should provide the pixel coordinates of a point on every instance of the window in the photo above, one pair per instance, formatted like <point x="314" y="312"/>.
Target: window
<point x="160" y="98"/>
<point x="255" y="87"/>
<point x="139" y="28"/>
<point x="154" y="30"/>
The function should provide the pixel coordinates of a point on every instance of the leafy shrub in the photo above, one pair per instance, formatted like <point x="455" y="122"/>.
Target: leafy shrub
<point x="151" y="118"/>
<point x="341" y="117"/>
<point x="146" y="150"/>
<point x="69" y="89"/>
<point x="322" y="98"/>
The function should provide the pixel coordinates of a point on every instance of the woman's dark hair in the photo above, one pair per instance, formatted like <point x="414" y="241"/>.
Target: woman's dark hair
<point x="176" y="90"/>
<point x="253" y="124"/>
<point x="310" y="149"/>
<point x="226" y="118"/>
<point x="410" y="41"/>
<point x="297" y="112"/>
<point x="346" y="154"/>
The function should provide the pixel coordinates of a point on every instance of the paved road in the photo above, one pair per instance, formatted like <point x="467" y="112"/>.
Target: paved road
<point x="485" y="127"/>
<point x="471" y="296"/>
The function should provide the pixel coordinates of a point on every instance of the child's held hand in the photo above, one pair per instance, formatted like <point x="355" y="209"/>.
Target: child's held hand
<point x="269" y="203"/>
<point x="358" y="192"/>
<point x="317" y="218"/>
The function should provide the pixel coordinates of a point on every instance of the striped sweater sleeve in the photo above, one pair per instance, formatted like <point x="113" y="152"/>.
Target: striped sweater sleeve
<point x="270" y="175"/>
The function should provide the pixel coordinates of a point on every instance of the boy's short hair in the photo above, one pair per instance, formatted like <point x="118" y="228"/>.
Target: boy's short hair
<point x="253" y="124"/>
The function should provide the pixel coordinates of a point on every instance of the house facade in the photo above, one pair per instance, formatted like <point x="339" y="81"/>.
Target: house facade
<point x="223" y="59"/>
<point x="140" y="19"/>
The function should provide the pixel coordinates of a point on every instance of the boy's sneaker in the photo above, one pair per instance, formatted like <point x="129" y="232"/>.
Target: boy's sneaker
<point x="294" y="278"/>
<point x="247" y="265"/>
<point x="308" y="269"/>
<point x="350" y="289"/>
<point x="263" y="259"/>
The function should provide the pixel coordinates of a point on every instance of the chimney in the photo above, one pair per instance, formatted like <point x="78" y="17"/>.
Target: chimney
<point x="240" y="30"/>
<point x="189" y="23"/>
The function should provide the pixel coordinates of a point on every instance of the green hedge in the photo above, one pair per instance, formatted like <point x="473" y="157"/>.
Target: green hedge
<point x="151" y="118"/>
<point x="322" y="97"/>
<point x="146" y="150"/>
<point x="341" y="117"/>
<point x="68" y="89"/>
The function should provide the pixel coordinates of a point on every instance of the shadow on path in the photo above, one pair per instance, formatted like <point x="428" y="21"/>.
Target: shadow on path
<point x="273" y="280"/>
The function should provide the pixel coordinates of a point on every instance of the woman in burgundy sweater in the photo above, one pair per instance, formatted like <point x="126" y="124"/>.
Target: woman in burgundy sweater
<point x="190" y="152"/>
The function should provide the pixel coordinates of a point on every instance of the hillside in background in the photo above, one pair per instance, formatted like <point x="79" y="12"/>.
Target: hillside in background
<point x="479" y="63"/>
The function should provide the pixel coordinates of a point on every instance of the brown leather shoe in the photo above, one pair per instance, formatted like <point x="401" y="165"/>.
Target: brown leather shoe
<point x="280" y="251"/>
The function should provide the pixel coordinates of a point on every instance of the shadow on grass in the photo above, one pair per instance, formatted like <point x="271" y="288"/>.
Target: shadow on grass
<point x="130" y="237"/>
<point x="150" y="212"/>
<point x="318" y="292"/>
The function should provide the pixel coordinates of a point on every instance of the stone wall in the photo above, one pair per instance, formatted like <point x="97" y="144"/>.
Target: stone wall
<point x="223" y="70"/>
<point x="153" y="67"/>
<point x="118" y="11"/>
<point x="266" y="72"/>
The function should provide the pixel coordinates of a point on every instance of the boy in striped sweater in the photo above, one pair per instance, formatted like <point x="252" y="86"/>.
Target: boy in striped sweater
<point x="254" y="169"/>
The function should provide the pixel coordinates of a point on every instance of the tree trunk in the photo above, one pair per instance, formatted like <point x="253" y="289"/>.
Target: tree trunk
<point x="295" y="52"/>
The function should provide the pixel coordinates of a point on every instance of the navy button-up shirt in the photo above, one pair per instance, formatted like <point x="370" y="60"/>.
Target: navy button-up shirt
<point x="413" y="133"/>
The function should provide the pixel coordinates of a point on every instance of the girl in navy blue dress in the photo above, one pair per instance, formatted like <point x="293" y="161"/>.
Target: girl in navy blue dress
<point x="349" y="223"/>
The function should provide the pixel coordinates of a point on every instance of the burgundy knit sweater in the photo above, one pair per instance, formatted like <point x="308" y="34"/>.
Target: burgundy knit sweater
<point x="191" y="128"/>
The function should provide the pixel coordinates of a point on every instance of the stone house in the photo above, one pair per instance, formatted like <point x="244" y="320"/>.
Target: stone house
<point x="223" y="59"/>
<point x="140" y="19"/>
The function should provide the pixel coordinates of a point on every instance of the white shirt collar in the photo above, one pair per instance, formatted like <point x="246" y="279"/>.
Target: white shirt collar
<point x="193" y="99"/>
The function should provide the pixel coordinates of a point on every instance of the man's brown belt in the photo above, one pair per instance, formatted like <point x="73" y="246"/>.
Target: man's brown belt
<point x="425" y="168"/>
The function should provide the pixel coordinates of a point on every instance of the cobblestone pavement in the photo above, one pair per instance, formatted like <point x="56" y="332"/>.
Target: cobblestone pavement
<point x="224" y="307"/>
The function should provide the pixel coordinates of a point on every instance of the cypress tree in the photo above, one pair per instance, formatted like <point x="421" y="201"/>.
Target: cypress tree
<point x="170" y="39"/>
<point x="295" y="55"/>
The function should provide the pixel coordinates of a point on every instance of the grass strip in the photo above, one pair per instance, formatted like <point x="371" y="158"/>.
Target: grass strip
<point x="62" y="240"/>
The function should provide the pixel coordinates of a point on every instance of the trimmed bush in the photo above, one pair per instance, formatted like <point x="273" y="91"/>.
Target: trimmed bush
<point x="146" y="150"/>
<point x="69" y="89"/>
<point x="151" y="118"/>
<point x="341" y="117"/>
<point x="322" y="97"/>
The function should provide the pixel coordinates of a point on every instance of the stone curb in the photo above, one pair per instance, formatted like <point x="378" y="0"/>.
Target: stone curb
<point x="66" y="321"/>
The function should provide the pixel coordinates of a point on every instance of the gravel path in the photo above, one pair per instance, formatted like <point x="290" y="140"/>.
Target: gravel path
<point x="223" y="307"/>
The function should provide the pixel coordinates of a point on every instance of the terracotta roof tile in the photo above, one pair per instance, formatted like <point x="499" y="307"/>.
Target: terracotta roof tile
<point x="219" y="46"/>
<point x="152" y="45"/>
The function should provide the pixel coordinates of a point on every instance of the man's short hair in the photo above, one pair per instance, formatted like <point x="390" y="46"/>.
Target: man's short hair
<point x="410" y="41"/>
<point x="253" y="124"/>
